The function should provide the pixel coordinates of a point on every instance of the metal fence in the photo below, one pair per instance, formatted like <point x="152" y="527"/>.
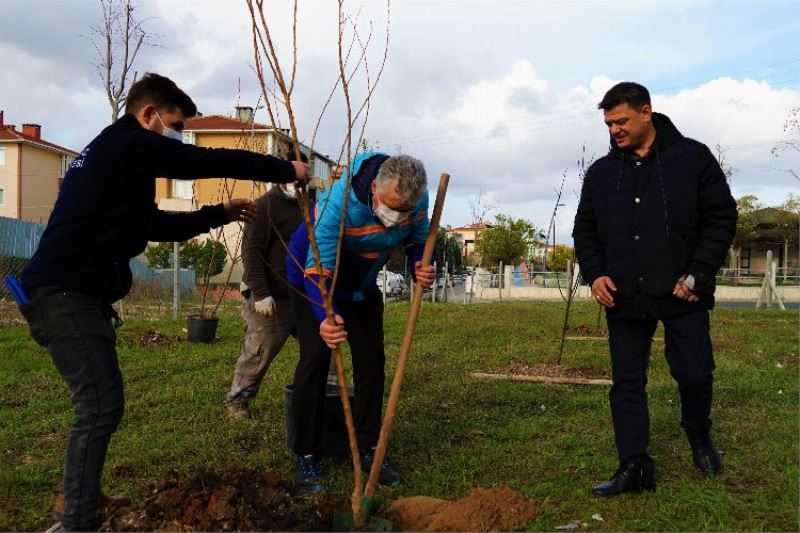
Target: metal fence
<point x="153" y="289"/>
<point x="153" y="295"/>
<point x="743" y="278"/>
<point x="19" y="238"/>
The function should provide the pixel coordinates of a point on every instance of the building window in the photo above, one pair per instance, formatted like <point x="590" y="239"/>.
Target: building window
<point x="183" y="189"/>
<point x="2" y="157"/>
<point x="321" y="169"/>
<point x="2" y="197"/>
<point x="66" y="161"/>
<point x="744" y="258"/>
<point x="189" y="137"/>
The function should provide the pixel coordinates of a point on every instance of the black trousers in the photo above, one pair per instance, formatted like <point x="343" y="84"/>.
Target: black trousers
<point x="364" y="324"/>
<point x="691" y="362"/>
<point x="77" y="331"/>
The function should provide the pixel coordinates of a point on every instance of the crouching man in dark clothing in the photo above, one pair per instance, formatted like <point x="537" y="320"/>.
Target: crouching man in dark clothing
<point x="387" y="208"/>
<point x="654" y="223"/>
<point x="104" y="215"/>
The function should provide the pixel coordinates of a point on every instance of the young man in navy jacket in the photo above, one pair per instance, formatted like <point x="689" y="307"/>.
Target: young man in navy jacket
<point x="653" y="227"/>
<point x="104" y="215"/>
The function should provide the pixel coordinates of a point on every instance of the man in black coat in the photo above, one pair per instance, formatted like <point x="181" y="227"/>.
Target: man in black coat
<point x="653" y="227"/>
<point x="104" y="215"/>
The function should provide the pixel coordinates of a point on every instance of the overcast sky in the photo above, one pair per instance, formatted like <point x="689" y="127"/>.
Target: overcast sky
<point x="500" y="94"/>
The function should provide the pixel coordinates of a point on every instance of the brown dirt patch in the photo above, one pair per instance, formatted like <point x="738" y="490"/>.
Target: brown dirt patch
<point x="234" y="501"/>
<point x="496" y="509"/>
<point x="151" y="339"/>
<point x="585" y="331"/>
<point x="9" y="312"/>
<point x="556" y="371"/>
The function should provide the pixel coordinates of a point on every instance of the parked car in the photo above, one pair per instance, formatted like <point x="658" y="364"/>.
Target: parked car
<point x="395" y="284"/>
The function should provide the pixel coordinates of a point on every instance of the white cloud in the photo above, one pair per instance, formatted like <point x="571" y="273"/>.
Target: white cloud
<point x="519" y="152"/>
<point x="501" y="95"/>
<point x="745" y="115"/>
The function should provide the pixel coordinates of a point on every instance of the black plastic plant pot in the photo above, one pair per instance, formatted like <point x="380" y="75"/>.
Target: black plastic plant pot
<point x="201" y="329"/>
<point x="334" y="436"/>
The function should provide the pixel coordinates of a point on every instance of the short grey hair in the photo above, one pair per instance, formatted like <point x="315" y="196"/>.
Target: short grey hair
<point x="409" y="174"/>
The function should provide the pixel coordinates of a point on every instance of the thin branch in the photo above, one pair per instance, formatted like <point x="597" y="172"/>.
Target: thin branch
<point x="294" y="48"/>
<point x="348" y="140"/>
<point x="330" y="97"/>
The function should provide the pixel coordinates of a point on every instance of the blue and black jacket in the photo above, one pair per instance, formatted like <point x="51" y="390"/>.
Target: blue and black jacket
<point x="367" y="243"/>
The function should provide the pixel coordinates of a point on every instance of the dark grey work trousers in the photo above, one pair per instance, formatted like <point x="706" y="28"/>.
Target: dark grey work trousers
<point x="691" y="362"/>
<point x="364" y="324"/>
<point x="78" y="332"/>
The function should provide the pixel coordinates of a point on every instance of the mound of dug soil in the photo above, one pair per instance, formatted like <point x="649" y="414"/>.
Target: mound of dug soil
<point x="236" y="501"/>
<point x="497" y="509"/>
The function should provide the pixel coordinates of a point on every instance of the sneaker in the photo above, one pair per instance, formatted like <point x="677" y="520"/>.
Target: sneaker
<point x="238" y="411"/>
<point x="388" y="476"/>
<point x="308" y="476"/>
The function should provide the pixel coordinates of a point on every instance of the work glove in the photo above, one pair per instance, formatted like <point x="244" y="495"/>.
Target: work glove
<point x="266" y="306"/>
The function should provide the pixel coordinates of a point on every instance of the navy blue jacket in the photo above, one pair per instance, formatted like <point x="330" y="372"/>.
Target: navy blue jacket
<point x="106" y="212"/>
<point x="647" y="221"/>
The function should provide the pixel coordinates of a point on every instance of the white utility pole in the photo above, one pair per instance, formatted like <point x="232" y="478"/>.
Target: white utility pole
<point x="176" y="285"/>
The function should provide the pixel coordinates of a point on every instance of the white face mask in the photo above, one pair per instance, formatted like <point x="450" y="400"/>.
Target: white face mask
<point x="169" y="132"/>
<point x="290" y="192"/>
<point x="389" y="217"/>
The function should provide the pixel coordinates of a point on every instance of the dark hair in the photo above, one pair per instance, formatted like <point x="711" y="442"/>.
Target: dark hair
<point x="291" y="155"/>
<point x="160" y="92"/>
<point x="626" y="92"/>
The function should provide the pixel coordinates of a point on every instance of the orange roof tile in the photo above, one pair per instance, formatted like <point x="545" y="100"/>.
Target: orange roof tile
<point x="8" y="134"/>
<point x="219" y="122"/>
<point x="473" y="227"/>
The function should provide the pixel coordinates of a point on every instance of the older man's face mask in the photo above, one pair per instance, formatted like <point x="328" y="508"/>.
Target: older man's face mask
<point x="289" y="191"/>
<point x="388" y="216"/>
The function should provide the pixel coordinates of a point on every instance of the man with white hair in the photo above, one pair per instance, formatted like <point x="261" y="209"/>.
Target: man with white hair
<point x="387" y="203"/>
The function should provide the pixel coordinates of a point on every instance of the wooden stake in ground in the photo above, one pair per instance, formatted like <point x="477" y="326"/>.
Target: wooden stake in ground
<point x="405" y="348"/>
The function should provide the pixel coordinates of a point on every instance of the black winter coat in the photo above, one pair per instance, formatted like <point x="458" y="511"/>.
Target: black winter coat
<point x="645" y="222"/>
<point x="106" y="212"/>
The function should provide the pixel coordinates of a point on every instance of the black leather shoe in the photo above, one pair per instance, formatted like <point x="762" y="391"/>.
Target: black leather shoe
<point x="629" y="477"/>
<point x="705" y="456"/>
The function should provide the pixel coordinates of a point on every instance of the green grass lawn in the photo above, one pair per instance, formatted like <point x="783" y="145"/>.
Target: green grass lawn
<point x="452" y="432"/>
